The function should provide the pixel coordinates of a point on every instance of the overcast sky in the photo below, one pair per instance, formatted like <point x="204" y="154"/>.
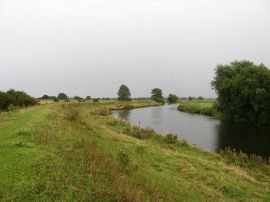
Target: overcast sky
<point x="91" y="47"/>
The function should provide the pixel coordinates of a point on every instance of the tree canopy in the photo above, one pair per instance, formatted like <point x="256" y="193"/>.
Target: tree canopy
<point x="45" y="97"/>
<point x="172" y="98"/>
<point x="15" y="98"/>
<point x="243" y="90"/>
<point x="157" y="95"/>
<point x="62" y="96"/>
<point x="124" y="93"/>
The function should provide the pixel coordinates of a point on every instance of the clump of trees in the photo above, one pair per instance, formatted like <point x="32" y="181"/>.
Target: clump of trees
<point x="157" y="95"/>
<point x="124" y="93"/>
<point x="243" y="90"/>
<point x="172" y="98"/>
<point x="14" y="98"/>
<point x="62" y="96"/>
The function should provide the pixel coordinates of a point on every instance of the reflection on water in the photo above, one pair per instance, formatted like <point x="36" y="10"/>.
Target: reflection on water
<point x="124" y="114"/>
<point x="251" y="139"/>
<point x="203" y="131"/>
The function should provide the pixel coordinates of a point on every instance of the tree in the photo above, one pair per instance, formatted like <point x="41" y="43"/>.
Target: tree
<point x="78" y="98"/>
<point x="45" y="97"/>
<point x="56" y="99"/>
<point x="172" y="98"/>
<point x="200" y="98"/>
<point x="62" y="96"/>
<point x="88" y="97"/>
<point x="156" y="94"/>
<point x="243" y="90"/>
<point x="5" y="101"/>
<point x="15" y="98"/>
<point x="124" y="93"/>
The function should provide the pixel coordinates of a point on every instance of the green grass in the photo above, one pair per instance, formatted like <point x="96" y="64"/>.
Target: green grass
<point x="17" y="153"/>
<point x="205" y="107"/>
<point x="65" y="152"/>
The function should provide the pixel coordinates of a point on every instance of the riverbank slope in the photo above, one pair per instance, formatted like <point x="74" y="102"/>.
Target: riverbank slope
<point x="205" y="107"/>
<point x="77" y="151"/>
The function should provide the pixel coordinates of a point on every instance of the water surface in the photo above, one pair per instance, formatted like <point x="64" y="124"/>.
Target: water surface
<point x="205" y="132"/>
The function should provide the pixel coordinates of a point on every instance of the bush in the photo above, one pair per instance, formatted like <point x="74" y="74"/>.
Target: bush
<point x="159" y="100"/>
<point x="169" y="138"/>
<point x="56" y="99"/>
<point x="241" y="158"/>
<point x="15" y="98"/>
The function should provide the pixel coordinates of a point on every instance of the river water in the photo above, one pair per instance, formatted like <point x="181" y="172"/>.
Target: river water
<point x="203" y="131"/>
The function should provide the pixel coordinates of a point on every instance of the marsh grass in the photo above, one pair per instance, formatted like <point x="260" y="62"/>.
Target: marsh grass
<point x="242" y="159"/>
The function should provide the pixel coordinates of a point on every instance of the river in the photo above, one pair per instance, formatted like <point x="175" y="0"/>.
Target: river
<point x="205" y="132"/>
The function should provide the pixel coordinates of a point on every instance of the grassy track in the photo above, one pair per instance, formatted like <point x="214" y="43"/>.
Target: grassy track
<point x="17" y="154"/>
<point x="78" y="152"/>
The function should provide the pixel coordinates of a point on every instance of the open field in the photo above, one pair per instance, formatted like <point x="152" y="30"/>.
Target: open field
<point x="78" y="152"/>
<point x="205" y="107"/>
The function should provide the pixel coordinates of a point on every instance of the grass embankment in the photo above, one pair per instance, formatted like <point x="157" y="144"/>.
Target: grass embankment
<point x="205" y="107"/>
<point x="78" y="152"/>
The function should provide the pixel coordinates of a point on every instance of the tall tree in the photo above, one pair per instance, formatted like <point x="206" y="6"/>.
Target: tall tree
<point x="243" y="90"/>
<point x="124" y="93"/>
<point x="62" y="96"/>
<point x="172" y="98"/>
<point x="157" y="95"/>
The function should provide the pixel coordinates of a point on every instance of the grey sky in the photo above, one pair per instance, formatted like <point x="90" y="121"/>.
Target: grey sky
<point x="91" y="47"/>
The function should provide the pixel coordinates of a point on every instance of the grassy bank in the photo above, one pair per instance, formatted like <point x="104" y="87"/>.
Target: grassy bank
<point x="205" y="107"/>
<point x="78" y="152"/>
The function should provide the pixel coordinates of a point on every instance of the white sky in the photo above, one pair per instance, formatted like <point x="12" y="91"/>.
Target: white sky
<point x="91" y="47"/>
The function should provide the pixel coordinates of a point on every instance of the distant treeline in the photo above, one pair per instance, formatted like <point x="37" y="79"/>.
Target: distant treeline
<point x="12" y="98"/>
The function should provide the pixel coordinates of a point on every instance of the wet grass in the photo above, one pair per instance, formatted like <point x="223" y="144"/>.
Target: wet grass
<point x="77" y="152"/>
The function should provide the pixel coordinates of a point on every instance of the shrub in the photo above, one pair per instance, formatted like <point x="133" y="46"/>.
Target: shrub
<point x="241" y="158"/>
<point x="12" y="108"/>
<point x="15" y="98"/>
<point x="169" y="138"/>
<point x="56" y="99"/>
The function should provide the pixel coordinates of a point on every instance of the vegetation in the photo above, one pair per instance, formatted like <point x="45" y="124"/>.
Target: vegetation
<point x="45" y="97"/>
<point x="67" y="152"/>
<point x="62" y="96"/>
<point x="205" y="107"/>
<point x="157" y="95"/>
<point x="14" y="98"/>
<point x="172" y="98"/>
<point x="124" y="93"/>
<point x="56" y="99"/>
<point x="243" y="90"/>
